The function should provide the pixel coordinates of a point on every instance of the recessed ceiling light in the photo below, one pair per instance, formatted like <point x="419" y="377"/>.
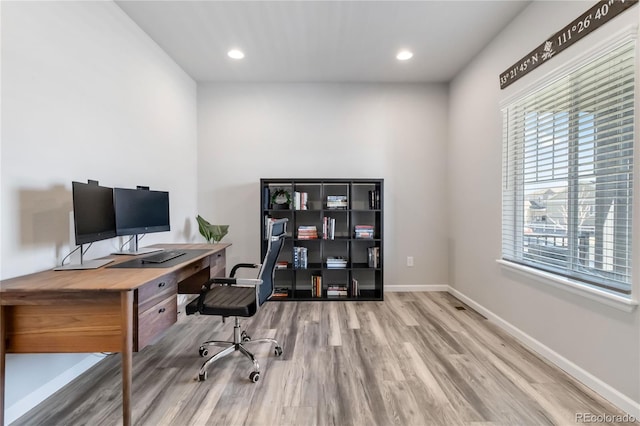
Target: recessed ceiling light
<point x="235" y="54"/>
<point x="403" y="55"/>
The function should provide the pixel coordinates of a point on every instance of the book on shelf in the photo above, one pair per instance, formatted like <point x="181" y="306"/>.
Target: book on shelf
<point x="328" y="228"/>
<point x="316" y="285"/>
<point x="354" y="291"/>
<point x="280" y="292"/>
<point x="307" y="232"/>
<point x="300" y="257"/>
<point x="300" y="200"/>
<point x="337" y="202"/>
<point x="282" y="264"/>
<point x="373" y="257"/>
<point x="374" y="199"/>
<point x="337" y="290"/>
<point x="266" y="198"/>
<point x="336" y="262"/>
<point x="364" y="231"/>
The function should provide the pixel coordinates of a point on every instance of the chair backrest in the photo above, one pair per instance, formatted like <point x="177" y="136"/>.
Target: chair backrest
<point x="275" y="241"/>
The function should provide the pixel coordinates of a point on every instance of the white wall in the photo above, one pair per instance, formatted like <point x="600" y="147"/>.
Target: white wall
<point x="600" y="342"/>
<point x="85" y="95"/>
<point x="393" y="131"/>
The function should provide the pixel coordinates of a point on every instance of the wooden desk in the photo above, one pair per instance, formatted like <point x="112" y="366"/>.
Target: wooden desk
<point x="99" y="310"/>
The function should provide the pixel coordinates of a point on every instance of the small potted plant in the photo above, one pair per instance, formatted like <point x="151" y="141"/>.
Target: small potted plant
<point x="281" y="199"/>
<point x="212" y="233"/>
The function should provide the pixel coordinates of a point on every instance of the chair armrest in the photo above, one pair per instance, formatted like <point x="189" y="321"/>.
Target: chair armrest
<point x="221" y="280"/>
<point x="249" y="281"/>
<point x="234" y="281"/>
<point x="243" y="265"/>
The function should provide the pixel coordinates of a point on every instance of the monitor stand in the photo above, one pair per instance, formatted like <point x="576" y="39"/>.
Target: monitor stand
<point x="89" y="264"/>
<point x="134" y="250"/>
<point x="84" y="264"/>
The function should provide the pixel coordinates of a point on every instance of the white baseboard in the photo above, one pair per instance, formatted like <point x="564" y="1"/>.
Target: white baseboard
<point x="416" y="287"/>
<point x="22" y="406"/>
<point x="614" y="396"/>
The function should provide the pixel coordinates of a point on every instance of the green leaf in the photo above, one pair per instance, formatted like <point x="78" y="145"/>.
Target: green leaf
<point x="203" y="226"/>
<point x="218" y="232"/>
<point x="212" y="233"/>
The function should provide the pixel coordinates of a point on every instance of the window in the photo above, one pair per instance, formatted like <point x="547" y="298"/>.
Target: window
<point x="568" y="174"/>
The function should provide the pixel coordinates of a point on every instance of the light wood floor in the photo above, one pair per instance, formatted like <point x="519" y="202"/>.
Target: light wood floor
<point x="413" y="359"/>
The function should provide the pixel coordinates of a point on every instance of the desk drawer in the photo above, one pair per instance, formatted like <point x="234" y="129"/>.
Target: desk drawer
<point x="155" y="320"/>
<point x="156" y="291"/>
<point x="192" y="269"/>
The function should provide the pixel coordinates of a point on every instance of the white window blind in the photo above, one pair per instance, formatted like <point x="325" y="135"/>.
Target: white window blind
<point x="568" y="174"/>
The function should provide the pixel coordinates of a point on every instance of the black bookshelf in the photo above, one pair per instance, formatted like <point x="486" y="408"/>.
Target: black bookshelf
<point x="335" y="232"/>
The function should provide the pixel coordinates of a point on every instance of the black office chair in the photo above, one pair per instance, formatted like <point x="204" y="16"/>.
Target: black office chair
<point x="240" y="297"/>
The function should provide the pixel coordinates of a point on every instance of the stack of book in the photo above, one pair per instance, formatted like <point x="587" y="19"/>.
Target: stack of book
<point x="300" y="200"/>
<point x="336" y="201"/>
<point x="373" y="257"/>
<point x="316" y="285"/>
<point x="280" y="292"/>
<point x="328" y="228"/>
<point x="307" y="232"/>
<point x="336" y="262"/>
<point x="374" y="199"/>
<point x="337" y="290"/>
<point x="364" y="231"/>
<point x="300" y="257"/>
<point x="282" y="264"/>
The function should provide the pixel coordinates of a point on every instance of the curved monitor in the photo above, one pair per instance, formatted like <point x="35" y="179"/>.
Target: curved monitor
<point x="141" y="211"/>
<point x="93" y="212"/>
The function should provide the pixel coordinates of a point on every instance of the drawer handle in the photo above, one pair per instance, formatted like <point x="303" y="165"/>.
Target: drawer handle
<point x="161" y="284"/>
<point x="219" y="255"/>
<point x="161" y="310"/>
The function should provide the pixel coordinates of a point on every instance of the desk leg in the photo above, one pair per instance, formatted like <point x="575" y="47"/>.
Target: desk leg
<point x="126" y="303"/>
<point x="3" y="346"/>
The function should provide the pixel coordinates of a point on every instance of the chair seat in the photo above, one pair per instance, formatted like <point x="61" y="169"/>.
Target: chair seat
<point x="227" y="301"/>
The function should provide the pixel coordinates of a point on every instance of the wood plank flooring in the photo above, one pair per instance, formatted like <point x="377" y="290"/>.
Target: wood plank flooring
<point x="413" y="359"/>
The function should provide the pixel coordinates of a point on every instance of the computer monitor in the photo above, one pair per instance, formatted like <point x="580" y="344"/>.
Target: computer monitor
<point x="93" y="213"/>
<point x="93" y="220"/>
<point x="140" y="211"/>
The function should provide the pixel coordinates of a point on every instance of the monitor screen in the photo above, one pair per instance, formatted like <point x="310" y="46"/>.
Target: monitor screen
<point x="93" y="213"/>
<point x="140" y="211"/>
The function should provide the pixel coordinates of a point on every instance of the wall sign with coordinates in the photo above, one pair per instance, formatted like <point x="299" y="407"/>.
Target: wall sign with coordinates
<point x="589" y="21"/>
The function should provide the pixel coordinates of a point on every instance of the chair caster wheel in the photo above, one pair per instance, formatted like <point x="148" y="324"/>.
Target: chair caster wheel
<point x="278" y="351"/>
<point x="202" y="376"/>
<point x="245" y="337"/>
<point x="203" y="351"/>
<point x="254" y="376"/>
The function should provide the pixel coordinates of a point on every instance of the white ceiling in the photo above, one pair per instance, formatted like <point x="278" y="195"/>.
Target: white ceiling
<point x="322" y="41"/>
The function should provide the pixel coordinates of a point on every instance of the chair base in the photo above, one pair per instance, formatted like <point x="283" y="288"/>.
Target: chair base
<point x="239" y="340"/>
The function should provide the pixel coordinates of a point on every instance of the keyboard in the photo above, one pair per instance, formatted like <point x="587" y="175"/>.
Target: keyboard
<point x="162" y="256"/>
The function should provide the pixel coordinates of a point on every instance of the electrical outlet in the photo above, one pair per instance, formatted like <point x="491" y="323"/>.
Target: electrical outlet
<point x="409" y="260"/>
